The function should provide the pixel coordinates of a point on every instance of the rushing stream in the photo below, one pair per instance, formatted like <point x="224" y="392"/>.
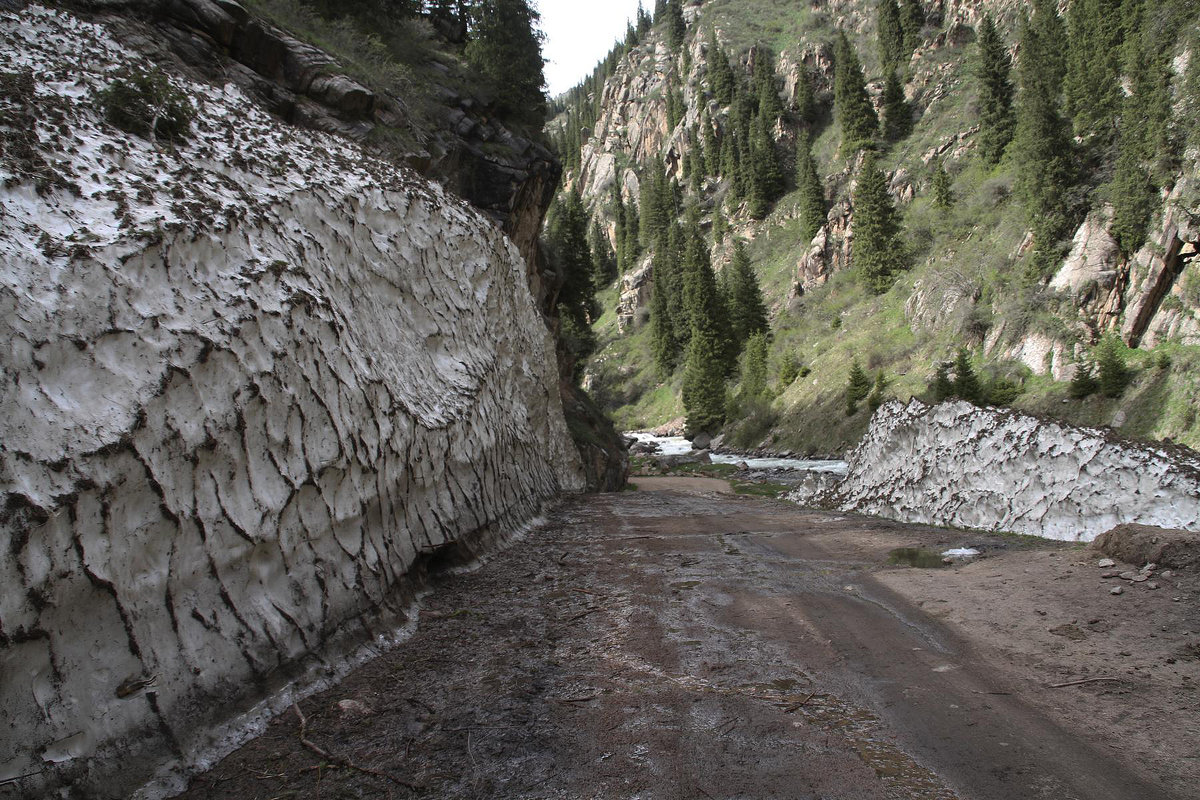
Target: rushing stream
<point x="677" y="445"/>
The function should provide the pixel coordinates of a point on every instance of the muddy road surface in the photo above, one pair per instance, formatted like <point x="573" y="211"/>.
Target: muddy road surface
<point x="671" y="644"/>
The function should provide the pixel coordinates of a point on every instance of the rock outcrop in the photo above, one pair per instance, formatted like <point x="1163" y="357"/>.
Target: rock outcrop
<point x="252" y="380"/>
<point x="958" y="465"/>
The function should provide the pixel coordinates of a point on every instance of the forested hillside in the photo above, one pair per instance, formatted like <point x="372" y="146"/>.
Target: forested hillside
<point x="792" y="212"/>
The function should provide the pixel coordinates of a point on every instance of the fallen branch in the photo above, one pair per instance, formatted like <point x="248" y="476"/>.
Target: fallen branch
<point x="342" y="761"/>
<point x="576" y="699"/>
<point x="794" y="708"/>
<point x="976" y="691"/>
<point x="583" y="614"/>
<point x="16" y="778"/>
<point x="1080" y="682"/>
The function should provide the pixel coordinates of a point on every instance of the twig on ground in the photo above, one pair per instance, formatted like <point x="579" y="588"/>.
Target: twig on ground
<point x="342" y="761"/>
<point x="976" y="691"/>
<point x="794" y="708"/>
<point x="576" y="699"/>
<point x="583" y="614"/>
<point x="16" y="778"/>
<point x="1085" y="680"/>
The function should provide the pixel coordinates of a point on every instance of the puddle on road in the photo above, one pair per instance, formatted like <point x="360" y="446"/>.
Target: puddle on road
<point x="685" y="585"/>
<point x="915" y="557"/>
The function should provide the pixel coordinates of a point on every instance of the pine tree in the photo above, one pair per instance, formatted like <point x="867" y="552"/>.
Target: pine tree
<point x="851" y="105"/>
<point x="858" y="386"/>
<point x="1042" y="144"/>
<point x="604" y="261"/>
<point x="942" y="387"/>
<point x="806" y="101"/>
<point x="766" y="178"/>
<point x="632" y="245"/>
<point x="747" y="311"/>
<point x="619" y="214"/>
<point x="754" y="367"/>
<point x="766" y="92"/>
<point x="720" y="74"/>
<point x="966" y="382"/>
<point x="943" y="197"/>
<point x="1083" y="382"/>
<point x="876" y="250"/>
<point x="812" y="191"/>
<point x="676" y="29"/>
<point x="506" y="52"/>
<point x="664" y="342"/>
<point x="875" y="398"/>
<point x="912" y="19"/>
<point x="712" y="150"/>
<point x="1092" y="86"/>
<point x="1132" y="194"/>
<point x="1113" y="376"/>
<point x="890" y="34"/>
<point x="897" y="113"/>
<point x="710" y="356"/>
<point x="996" y="120"/>
<point x="577" y="307"/>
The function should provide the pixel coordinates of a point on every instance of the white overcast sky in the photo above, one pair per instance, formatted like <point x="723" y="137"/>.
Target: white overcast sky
<point x="578" y="34"/>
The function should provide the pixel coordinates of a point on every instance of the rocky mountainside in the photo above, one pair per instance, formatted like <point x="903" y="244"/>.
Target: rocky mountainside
<point x="965" y="281"/>
<point x="258" y="382"/>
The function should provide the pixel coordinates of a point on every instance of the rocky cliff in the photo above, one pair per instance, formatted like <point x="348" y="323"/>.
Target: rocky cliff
<point x="253" y="380"/>
<point x="957" y="465"/>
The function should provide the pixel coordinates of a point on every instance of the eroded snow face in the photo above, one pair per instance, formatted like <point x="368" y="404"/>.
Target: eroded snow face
<point x="987" y="469"/>
<point x="246" y="380"/>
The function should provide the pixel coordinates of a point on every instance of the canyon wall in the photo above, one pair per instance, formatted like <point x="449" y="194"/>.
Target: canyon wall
<point x="251" y="380"/>
<point x="958" y="465"/>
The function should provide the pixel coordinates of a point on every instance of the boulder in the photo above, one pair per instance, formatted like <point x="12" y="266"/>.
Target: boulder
<point x="1147" y="544"/>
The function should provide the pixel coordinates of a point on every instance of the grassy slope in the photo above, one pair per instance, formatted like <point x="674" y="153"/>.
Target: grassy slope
<point x="970" y="245"/>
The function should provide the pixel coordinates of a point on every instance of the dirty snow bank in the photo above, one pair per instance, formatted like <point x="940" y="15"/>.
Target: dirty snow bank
<point x="246" y="384"/>
<point x="958" y="465"/>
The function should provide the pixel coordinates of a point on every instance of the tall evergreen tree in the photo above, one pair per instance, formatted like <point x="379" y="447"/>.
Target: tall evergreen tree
<point x="912" y="19"/>
<point x="709" y="355"/>
<point x="676" y="29"/>
<point x="633" y="242"/>
<point x="876" y="250"/>
<point x="890" y="35"/>
<point x="766" y="178"/>
<point x="619" y="226"/>
<point x="506" y="52"/>
<point x="664" y="337"/>
<point x="720" y="73"/>
<point x="1042" y="144"/>
<point x="812" y="191"/>
<point x="897" y="113"/>
<point x="604" y="260"/>
<point x="747" y="311"/>
<point x="858" y="386"/>
<point x="996" y="119"/>
<point x="767" y="93"/>
<point x="754" y="367"/>
<point x="851" y="105"/>
<point x="966" y="382"/>
<point x="577" y="298"/>
<point x="806" y="100"/>
<point x="1092" y="86"/>
<point x="943" y="197"/>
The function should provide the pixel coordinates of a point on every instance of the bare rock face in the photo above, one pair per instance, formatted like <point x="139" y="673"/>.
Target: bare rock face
<point x="634" y="302"/>
<point x="250" y="381"/>
<point x="958" y="465"/>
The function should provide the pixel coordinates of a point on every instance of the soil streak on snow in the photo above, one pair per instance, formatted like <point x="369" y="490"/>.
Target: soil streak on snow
<point x="673" y="645"/>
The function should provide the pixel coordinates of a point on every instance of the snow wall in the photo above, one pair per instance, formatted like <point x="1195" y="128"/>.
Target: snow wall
<point x="249" y="380"/>
<point x="984" y="468"/>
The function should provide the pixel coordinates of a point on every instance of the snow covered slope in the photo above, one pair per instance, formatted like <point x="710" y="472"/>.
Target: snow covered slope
<point x="248" y="381"/>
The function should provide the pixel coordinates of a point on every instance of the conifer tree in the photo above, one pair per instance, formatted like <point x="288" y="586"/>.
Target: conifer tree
<point x="897" y="113"/>
<point x="754" y="367"/>
<point x="1113" y="376"/>
<point x="812" y="191"/>
<point x="996" y="120"/>
<point x="712" y="150"/>
<point x="1083" y="382"/>
<point x="604" y="261"/>
<point x="720" y="226"/>
<point x="657" y="207"/>
<point x="966" y="382"/>
<point x="876" y="251"/>
<point x="1092" y="86"/>
<point x="912" y="19"/>
<point x="852" y="107"/>
<point x="766" y="92"/>
<point x="858" y="386"/>
<point x="890" y="34"/>
<point x="664" y="342"/>
<point x="806" y="101"/>
<point x="619" y="226"/>
<point x="747" y="311"/>
<point x="577" y="298"/>
<point x="1042" y="143"/>
<point x="875" y="398"/>
<point x="506" y="52"/>
<point x="942" y="387"/>
<point x="943" y="197"/>
<point x="720" y="73"/>
<point x="766" y="178"/>
<point x="676" y="29"/>
<point x="632" y="246"/>
<point x="710" y="355"/>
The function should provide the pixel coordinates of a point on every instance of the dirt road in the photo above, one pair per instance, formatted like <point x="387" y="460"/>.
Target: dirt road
<point x="674" y="645"/>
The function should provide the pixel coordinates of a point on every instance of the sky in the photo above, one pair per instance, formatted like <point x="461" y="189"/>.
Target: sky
<point x="578" y="34"/>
